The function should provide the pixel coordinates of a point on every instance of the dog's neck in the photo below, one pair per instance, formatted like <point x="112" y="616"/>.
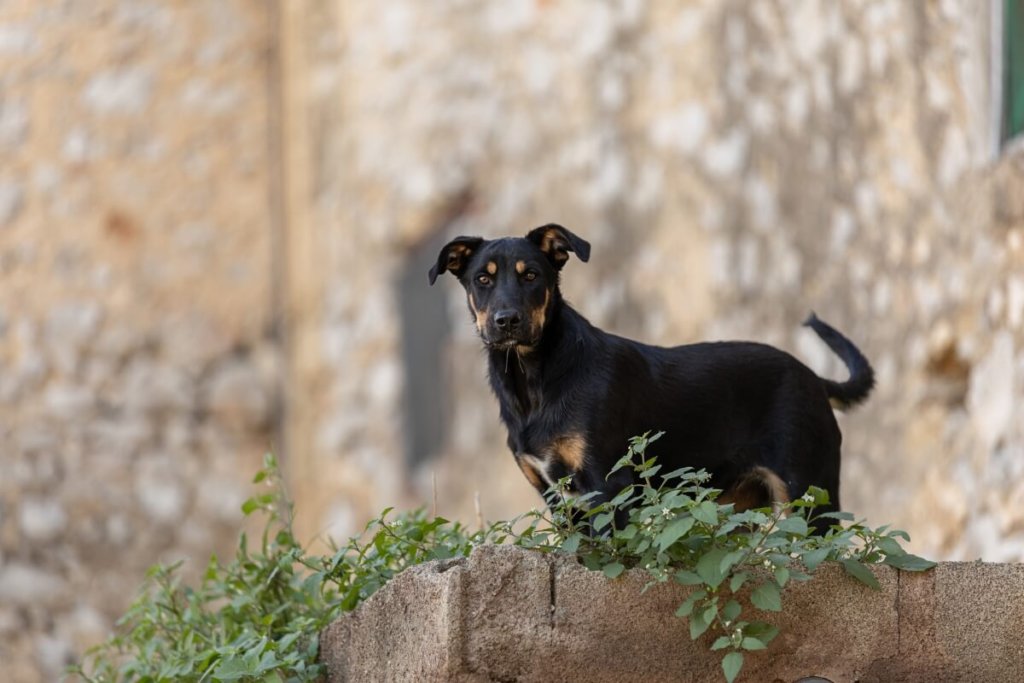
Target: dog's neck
<point x="529" y="376"/>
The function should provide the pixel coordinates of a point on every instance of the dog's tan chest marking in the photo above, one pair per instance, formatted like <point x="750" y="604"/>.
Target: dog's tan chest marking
<point x="527" y="464"/>
<point x="535" y="469"/>
<point x="569" y="450"/>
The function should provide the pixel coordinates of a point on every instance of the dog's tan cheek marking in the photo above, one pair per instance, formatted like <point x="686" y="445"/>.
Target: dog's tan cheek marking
<point x="481" y="316"/>
<point x="492" y="267"/>
<point x="520" y="267"/>
<point x="538" y="316"/>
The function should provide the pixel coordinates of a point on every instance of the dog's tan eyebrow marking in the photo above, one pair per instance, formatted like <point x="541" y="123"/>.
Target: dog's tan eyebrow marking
<point x="492" y="267"/>
<point x="520" y="267"/>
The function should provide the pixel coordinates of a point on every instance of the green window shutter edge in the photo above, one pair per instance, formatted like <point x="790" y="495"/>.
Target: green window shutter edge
<point x="1013" y="68"/>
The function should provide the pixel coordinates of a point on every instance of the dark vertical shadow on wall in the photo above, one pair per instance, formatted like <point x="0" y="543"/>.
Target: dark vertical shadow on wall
<point x="425" y="328"/>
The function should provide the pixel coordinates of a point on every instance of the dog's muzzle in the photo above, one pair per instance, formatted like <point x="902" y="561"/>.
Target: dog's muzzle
<point x="509" y="327"/>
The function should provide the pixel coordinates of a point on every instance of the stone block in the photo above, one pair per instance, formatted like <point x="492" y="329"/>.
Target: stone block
<point x="507" y="614"/>
<point x="407" y="631"/>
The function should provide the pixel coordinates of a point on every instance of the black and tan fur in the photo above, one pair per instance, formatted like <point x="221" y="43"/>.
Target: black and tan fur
<point x="571" y="395"/>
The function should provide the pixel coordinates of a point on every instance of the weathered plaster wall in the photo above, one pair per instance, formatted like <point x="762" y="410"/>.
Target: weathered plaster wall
<point x="136" y="374"/>
<point x="735" y="164"/>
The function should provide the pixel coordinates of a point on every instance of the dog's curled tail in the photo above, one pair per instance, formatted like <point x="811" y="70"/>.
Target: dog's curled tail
<point x="843" y="395"/>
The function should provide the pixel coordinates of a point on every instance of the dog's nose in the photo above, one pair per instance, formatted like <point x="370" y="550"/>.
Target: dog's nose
<point x="507" y="319"/>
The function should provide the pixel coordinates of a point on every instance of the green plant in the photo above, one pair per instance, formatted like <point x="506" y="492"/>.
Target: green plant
<point x="258" y="616"/>
<point x="676" y="531"/>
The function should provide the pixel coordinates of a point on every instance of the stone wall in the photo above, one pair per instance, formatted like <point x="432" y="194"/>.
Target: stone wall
<point x="213" y="214"/>
<point x="508" y="614"/>
<point x="137" y="367"/>
<point x="735" y="165"/>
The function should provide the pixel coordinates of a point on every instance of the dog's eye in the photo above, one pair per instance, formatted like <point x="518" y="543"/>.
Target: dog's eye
<point x="483" y="279"/>
<point x="530" y="276"/>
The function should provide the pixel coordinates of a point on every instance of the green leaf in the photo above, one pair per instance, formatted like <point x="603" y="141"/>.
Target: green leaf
<point x="706" y="512"/>
<point x="767" y="597"/>
<point x="793" y="525"/>
<point x="622" y="497"/>
<point x="737" y="581"/>
<point x="731" y="610"/>
<point x="781" y="576"/>
<point x="731" y="665"/>
<point x="572" y="543"/>
<point x="679" y="473"/>
<point x="908" y="562"/>
<point x="731" y="559"/>
<point x="674" y="531"/>
<point x="688" y="578"/>
<point x="232" y="669"/>
<point x="649" y="472"/>
<point x="890" y="546"/>
<point x="761" y="630"/>
<point x="857" y="570"/>
<point x="838" y="515"/>
<point x="698" y="626"/>
<point x="721" y="643"/>
<point x="812" y="559"/>
<point x="752" y="644"/>
<point x="602" y="520"/>
<point x="820" y="496"/>
<point x="709" y="567"/>
<point x="613" y="570"/>
<point x="686" y="608"/>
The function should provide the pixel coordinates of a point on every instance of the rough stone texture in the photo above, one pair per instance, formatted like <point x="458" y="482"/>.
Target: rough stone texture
<point x="507" y="614"/>
<point x="735" y="164"/>
<point x="138" y="381"/>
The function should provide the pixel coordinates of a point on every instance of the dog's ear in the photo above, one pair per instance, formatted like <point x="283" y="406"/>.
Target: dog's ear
<point x="454" y="255"/>
<point x="556" y="242"/>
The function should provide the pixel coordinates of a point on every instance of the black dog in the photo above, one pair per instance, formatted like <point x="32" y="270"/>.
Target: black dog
<point x="571" y="396"/>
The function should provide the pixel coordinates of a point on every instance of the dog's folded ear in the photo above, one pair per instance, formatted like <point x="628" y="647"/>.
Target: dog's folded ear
<point x="454" y="256"/>
<point x="556" y="242"/>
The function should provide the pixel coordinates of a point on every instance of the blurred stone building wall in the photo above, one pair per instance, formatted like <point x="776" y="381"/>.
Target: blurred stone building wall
<point x="138" y="362"/>
<point x="216" y="220"/>
<point x="735" y="165"/>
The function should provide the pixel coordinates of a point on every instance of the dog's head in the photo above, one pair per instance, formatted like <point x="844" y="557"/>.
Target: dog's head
<point x="512" y="282"/>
